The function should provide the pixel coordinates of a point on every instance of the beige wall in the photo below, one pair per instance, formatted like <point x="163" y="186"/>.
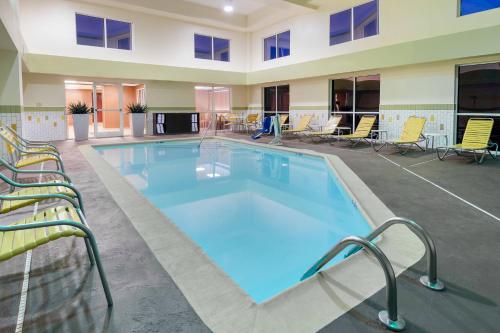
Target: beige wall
<point x="170" y="94"/>
<point x="10" y="78"/>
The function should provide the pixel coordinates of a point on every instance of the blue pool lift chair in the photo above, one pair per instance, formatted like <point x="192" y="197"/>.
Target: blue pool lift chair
<point x="266" y="128"/>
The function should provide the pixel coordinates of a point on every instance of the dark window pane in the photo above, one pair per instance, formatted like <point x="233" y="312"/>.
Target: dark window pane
<point x="270" y="99"/>
<point x="270" y="48"/>
<point x="283" y="98"/>
<point x="479" y="88"/>
<point x="284" y="44"/>
<point x="340" y="27"/>
<point x="89" y="30"/>
<point x="221" y="49"/>
<point x="366" y="20"/>
<point x="368" y="93"/>
<point x="119" y="36"/>
<point x="474" y="6"/>
<point x="342" y="94"/>
<point x="202" y="47"/>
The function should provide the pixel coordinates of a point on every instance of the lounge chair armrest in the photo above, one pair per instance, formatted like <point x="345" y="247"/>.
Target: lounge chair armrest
<point x="40" y="184"/>
<point x="40" y="197"/>
<point x="46" y="224"/>
<point x="52" y="184"/>
<point x="62" y="174"/>
<point x="40" y="145"/>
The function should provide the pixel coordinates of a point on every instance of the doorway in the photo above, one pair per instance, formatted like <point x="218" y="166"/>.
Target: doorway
<point x="108" y="102"/>
<point x="214" y="105"/>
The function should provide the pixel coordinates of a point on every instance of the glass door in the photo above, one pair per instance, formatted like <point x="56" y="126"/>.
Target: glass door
<point x="108" y="109"/>
<point x="214" y="105"/>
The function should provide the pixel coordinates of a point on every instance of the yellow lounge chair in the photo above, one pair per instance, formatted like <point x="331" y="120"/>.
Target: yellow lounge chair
<point x="30" y="193"/>
<point x="412" y="135"/>
<point x="362" y="131"/>
<point x="302" y="126"/>
<point x="251" y="121"/>
<point x="36" y="146"/>
<point x="283" y="119"/>
<point x="46" y="226"/>
<point x="327" y="130"/>
<point x="21" y="157"/>
<point x="476" y="139"/>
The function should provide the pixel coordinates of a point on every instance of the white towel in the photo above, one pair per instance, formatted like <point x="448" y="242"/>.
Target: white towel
<point x="160" y="129"/>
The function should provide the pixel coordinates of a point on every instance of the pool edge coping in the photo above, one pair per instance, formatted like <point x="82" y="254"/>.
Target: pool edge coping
<point x="335" y="291"/>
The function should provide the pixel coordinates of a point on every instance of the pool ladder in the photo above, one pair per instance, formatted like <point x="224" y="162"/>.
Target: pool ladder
<point x="206" y="131"/>
<point x="390" y="317"/>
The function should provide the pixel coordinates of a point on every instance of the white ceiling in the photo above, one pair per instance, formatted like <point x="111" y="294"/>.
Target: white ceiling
<point x="243" y="7"/>
<point x="248" y="15"/>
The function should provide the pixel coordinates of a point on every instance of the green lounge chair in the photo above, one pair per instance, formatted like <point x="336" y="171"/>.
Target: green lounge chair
<point x="47" y="226"/>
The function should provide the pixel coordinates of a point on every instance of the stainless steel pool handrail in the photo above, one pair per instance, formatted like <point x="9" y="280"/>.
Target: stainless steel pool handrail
<point x="430" y="280"/>
<point x="389" y="318"/>
<point x="206" y="131"/>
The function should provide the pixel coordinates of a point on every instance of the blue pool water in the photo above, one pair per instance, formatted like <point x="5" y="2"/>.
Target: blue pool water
<point x="263" y="216"/>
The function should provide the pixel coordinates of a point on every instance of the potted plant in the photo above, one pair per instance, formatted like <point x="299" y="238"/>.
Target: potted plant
<point x="137" y="118"/>
<point x="80" y="112"/>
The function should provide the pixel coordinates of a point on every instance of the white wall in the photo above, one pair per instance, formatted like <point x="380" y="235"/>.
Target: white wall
<point x="49" y="28"/>
<point x="400" y="21"/>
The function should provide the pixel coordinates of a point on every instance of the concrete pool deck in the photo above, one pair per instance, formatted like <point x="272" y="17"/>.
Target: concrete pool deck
<point x="221" y="303"/>
<point x="65" y="296"/>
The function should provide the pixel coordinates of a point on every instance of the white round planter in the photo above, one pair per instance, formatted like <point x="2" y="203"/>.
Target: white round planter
<point x="138" y="120"/>
<point x="81" y="126"/>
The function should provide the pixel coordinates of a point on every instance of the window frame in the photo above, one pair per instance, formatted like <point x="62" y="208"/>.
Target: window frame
<point x="468" y="114"/>
<point x="350" y="27"/>
<point x="263" y="41"/>
<point x="378" y="20"/>
<point x="352" y="22"/>
<point x="213" y="49"/>
<point x="105" y="32"/>
<point x="459" y="9"/>
<point x="353" y="112"/>
<point x="276" y="111"/>
<point x="132" y="39"/>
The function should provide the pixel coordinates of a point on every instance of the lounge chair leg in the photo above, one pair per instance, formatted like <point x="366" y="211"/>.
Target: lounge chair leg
<point x="441" y="158"/>
<point x="481" y="160"/>
<point x="100" y="269"/>
<point x="89" y="252"/>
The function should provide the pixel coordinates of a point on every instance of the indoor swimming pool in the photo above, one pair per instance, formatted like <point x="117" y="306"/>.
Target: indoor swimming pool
<point x="262" y="215"/>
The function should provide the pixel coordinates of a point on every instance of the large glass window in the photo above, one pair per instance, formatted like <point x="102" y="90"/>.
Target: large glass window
<point x="202" y="47"/>
<point x="270" y="48"/>
<point x="221" y="49"/>
<point x="478" y="96"/>
<point x="365" y="21"/>
<point x="354" y="23"/>
<point x="211" y="48"/>
<point x="284" y="44"/>
<point x="340" y="27"/>
<point x="118" y="34"/>
<point x="474" y="6"/>
<point x="277" y="46"/>
<point x="89" y="30"/>
<point x="352" y="98"/>
<point x="276" y="100"/>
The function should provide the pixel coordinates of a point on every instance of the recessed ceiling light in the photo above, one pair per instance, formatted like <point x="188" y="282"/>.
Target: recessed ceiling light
<point x="228" y="6"/>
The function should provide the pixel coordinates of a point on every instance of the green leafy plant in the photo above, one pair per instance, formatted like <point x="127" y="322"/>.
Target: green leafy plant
<point x="137" y="108"/>
<point x="79" y="108"/>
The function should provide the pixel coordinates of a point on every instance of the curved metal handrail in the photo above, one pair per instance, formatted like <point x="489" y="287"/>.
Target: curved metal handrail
<point x="430" y="280"/>
<point x="390" y="318"/>
<point x="207" y="129"/>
